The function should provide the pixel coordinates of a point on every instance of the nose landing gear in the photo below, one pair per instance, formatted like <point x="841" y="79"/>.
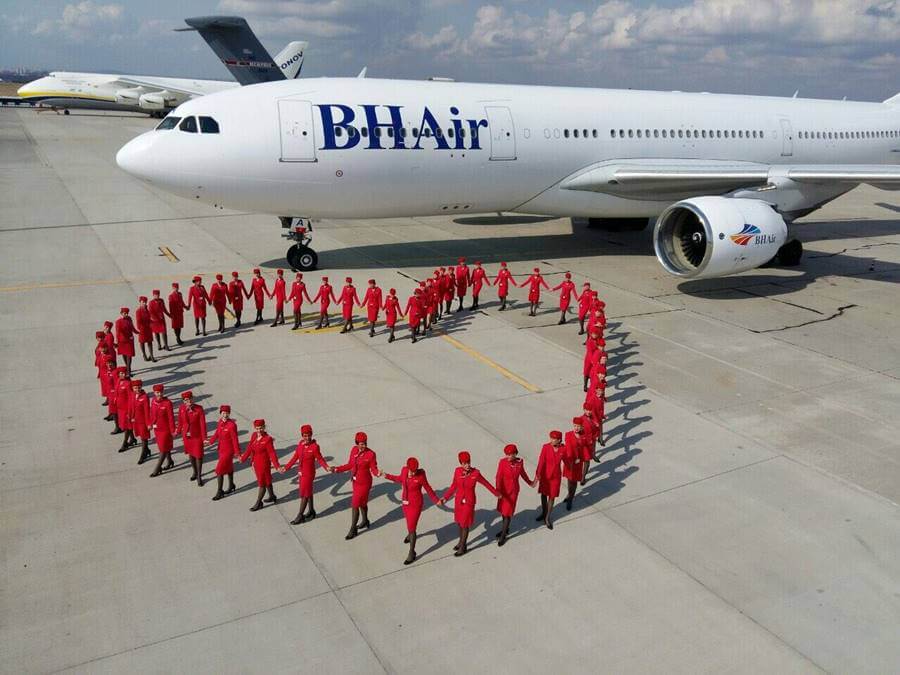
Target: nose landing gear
<point x="299" y="256"/>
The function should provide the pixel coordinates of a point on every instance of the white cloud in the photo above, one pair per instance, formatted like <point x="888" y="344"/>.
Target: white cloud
<point x="80" y="21"/>
<point x="445" y="39"/>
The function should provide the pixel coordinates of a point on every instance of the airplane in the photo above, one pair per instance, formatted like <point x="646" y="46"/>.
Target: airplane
<point x="229" y="36"/>
<point x="722" y="175"/>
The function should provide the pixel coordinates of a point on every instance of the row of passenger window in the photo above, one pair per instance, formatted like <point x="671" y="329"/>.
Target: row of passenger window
<point x="189" y="124"/>
<point x="685" y="133"/>
<point x="847" y="135"/>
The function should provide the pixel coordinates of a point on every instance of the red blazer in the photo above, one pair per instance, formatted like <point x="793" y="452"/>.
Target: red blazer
<point x="464" y="484"/>
<point x="192" y="421"/>
<point x="226" y="434"/>
<point x="508" y="475"/>
<point x="361" y="465"/>
<point x="162" y="416"/>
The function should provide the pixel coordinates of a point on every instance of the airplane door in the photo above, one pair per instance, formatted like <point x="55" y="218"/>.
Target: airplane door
<point x="787" y="138"/>
<point x="503" y="133"/>
<point x="298" y="143"/>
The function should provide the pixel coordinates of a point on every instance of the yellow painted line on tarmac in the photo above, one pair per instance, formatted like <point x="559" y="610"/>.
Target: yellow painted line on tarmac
<point x="337" y="324"/>
<point x="493" y="364"/>
<point x="166" y="251"/>
<point x="229" y="314"/>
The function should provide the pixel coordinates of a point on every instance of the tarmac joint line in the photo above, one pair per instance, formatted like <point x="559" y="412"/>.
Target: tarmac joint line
<point x="166" y="251"/>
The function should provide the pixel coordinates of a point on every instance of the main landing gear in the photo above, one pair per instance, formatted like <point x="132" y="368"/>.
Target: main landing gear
<point x="299" y="256"/>
<point x="789" y="255"/>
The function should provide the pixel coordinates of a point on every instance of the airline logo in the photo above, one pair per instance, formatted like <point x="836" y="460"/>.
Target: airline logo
<point x="296" y="57"/>
<point x="743" y="237"/>
<point x="386" y="128"/>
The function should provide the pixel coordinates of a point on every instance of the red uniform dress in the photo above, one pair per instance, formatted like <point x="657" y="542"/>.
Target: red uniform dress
<point x="462" y="279"/>
<point x="413" y="311"/>
<point x="566" y="292"/>
<point x="259" y="290"/>
<point x="348" y="300"/>
<point x="534" y="282"/>
<point x="305" y="457"/>
<point x="218" y="296"/>
<point x="226" y="434"/>
<point x="573" y="456"/>
<point x="279" y="291"/>
<point x="590" y="349"/>
<point x="479" y="276"/>
<point x="298" y="290"/>
<point x="391" y="310"/>
<point x="372" y="302"/>
<point x="502" y="282"/>
<point x="597" y="406"/>
<point x="139" y="411"/>
<point x="100" y="361"/>
<point x="463" y="486"/>
<point x="176" y="309"/>
<point x="110" y="341"/>
<point x="449" y="287"/>
<point x="325" y="297"/>
<point x="584" y="303"/>
<point x="111" y="378"/>
<point x="123" y="400"/>
<point x="162" y="418"/>
<point x="362" y="465"/>
<point x="598" y="371"/>
<point x="198" y="298"/>
<point x="549" y="471"/>
<point x="192" y="427"/>
<point x="507" y="482"/>
<point x="590" y="437"/>
<point x="125" y="336"/>
<point x="158" y="314"/>
<point x="142" y="321"/>
<point x="262" y="448"/>
<point x="236" y="291"/>
<point x="411" y="494"/>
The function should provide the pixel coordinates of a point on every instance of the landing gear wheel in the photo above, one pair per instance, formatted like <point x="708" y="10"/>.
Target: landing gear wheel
<point x="789" y="255"/>
<point x="302" y="258"/>
<point x="66" y="112"/>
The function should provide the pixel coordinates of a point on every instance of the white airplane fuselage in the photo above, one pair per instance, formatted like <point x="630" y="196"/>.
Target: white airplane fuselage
<point x="284" y="148"/>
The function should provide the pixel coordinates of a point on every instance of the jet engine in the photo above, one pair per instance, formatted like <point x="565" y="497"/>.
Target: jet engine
<point x="707" y="237"/>
<point x="159" y="100"/>
<point x="129" y="96"/>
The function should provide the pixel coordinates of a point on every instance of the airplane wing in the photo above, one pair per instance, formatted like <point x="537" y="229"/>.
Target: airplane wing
<point x="187" y="88"/>
<point x="636" y="179"/>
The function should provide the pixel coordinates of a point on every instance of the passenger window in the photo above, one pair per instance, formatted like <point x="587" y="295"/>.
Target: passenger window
<point x="449" y="132"/>
<point x="671" y="133"/>
<point x="390" y="132"/>
<point x="168" y="123"/>
<point x="656" y="133"/>
<point x="188" y="124"/>
<point x="697" y="134"/>
<point x="377" y="132"/>
<point x="575" y="133"/>
<point x="664" y="133"/>
<point x="208" y="125"/>
<point x="566" y="133"/>
<point x="462" y="133"/>
<point x="595" y="133"/>
<point x="631" y="133"/>
<point x="704" y="133"/>
<point x="612" y="133"/>
<point x="439" y="133"/>
<point x="365" y="132"/>
<point x="426" y="132"/>
<point x="338" y="132"/>
<point x="680" y="133"/>
<point x="415" y="132"/>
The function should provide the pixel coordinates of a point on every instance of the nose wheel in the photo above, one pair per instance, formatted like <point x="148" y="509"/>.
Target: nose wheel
<point x="300" y="256"/>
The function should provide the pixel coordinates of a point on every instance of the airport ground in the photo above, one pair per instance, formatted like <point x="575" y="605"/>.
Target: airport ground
<point x="744" y="518"/>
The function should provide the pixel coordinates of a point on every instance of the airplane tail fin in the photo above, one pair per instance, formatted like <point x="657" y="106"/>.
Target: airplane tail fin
<point x="238" y="47"/>
<point x="290" y="59"/>
<point x="893" y="100"/>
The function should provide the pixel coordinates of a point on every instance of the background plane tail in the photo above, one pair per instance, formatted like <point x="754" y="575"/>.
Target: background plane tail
<point x="894" y="100"/>
<point x="290" y="59"/>
<point x="238" y="47"/>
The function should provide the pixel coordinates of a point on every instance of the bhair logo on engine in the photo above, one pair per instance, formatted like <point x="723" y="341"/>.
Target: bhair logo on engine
<point x="751" y="233"/>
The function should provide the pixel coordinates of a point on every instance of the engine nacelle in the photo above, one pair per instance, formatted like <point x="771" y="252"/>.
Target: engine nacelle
<point x="159" y="100"/>
<point x="707" y="237"/>
<point x="129" y="96"/>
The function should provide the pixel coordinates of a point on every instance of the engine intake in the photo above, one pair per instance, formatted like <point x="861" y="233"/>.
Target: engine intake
<point x="706" y="237"/>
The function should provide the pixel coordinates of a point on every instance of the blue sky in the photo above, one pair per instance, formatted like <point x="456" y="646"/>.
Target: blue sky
<point x="824" y="48"/>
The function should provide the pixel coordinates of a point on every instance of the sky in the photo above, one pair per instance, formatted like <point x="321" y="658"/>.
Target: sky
<point x="823" y="48"/>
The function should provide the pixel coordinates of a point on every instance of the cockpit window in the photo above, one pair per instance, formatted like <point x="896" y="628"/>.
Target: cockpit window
<point x="189" y="124"/>
<point x="168" y="123"/>
<point x="208" y="125"/>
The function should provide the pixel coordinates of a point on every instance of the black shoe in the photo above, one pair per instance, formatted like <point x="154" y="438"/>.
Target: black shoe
<point x="273" y="325"/>
<point x="568" y="505"/>
<point x="541" y="517"/>
<point x="194" y="477"/>
<point x="456" y="548"/>
<point x="169" y="465"/>
<point x="549" y="525"/>
<point x="155" y="474"/>
<point x="218" y="496"/>
<point x="199" y="481"/>
<point x="256" y="507"/>
<point x="371" y="333"/>
<point x="298" y="520"/>
<point x="461" y="551"/>
<point x="560" y="322"/>
<point x="501" y="541"/>
<point x="108" y="418"/>
<point x="311" y="515"/>
<point x="123" y="448"/>
<point x="351" y="535"/>
<point x="115" y="431"/>
<point x="364" y="524"/>
<point x="406" y="541"/>
<point x="410" y="559"/>
<point x="229" y="490"/>
<point x="391" y="339"/>
<point x="271" y="500"/>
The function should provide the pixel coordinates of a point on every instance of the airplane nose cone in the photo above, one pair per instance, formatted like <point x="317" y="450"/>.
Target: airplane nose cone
<point x="133" y="157"/>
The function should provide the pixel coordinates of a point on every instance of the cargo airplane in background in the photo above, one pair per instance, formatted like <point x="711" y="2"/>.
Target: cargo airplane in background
<point x="723" y="175"/>
<point x="229" y="36"/>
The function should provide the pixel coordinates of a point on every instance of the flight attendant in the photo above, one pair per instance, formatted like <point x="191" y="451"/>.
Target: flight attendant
<point x="465" y="479"/>
<point x="139" y="413"/>
<point x="449" y="290"/>
<point x="392" y="311"/>
<point x="218" y="298"/>
<point x="584" y="305"/>
<point x="259" y="291"/>
<point x="596" y="399"/>
<point x="502" y="282"/>
<point x="362" y="465"/>
<point x="426" y="298"/>
<point x="372" y="302"/>
<point x="305" y="457"/>
<point x="463" y="280"/>
<point x="590" y="348"/>
<point x="109" y="338"/>
<point x="325" y="296"/>
<point x="534" y="283"/>
<point x="144" y="333"/>
<point x="298" y="292"/>
<point x="567" y="292"/>
<point x="414" y="312"/>
<point x="279" y="293"/>
<point x="573" y="463"/>
<point x="100" y="354"/>
<point x="413" y="480"/>
<point x="162" y="421"/>
<point x="158" y="314"/>
<point x="437" y="297"/>
<point x="479" y="278"/>
<point x="192" y="427"/>
<point x="125" y="338"/>
<point x="123" y="409"/>
<point x="548" y="475"/>
<point x="236" y="292"/>
<point x="111" y="377"/>
<point x="226" y="435"/>
<point x="510" y="470"/>
<point x="348" y="300"/>
<point x="589" y="442"/>
<point x="262" y="449"/>
<point x="198" y="298"/>
<point x="176" y="311"/>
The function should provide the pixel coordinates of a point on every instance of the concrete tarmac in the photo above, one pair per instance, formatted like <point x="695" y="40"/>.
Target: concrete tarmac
<point x="744" y="517"/>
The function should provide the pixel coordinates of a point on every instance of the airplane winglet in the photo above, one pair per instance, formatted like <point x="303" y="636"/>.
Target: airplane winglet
<point x="363" y="72"/>
<point x="893" y="100"/>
